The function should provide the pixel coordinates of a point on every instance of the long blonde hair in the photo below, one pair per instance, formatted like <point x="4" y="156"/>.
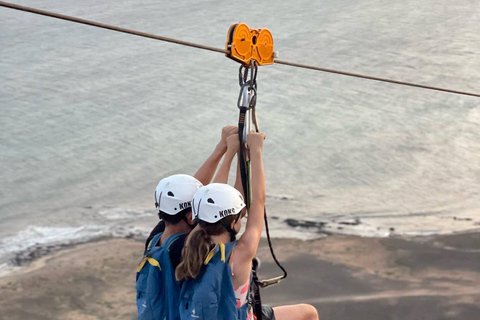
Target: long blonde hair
<point x="197" y="246"/>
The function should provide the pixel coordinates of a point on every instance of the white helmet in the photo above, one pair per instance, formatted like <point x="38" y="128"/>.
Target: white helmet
<point x="175" y="193"/>
<point x="215" y="201"/>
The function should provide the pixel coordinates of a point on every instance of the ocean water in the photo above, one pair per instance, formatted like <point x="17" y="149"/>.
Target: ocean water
<point x="92" y="119"/>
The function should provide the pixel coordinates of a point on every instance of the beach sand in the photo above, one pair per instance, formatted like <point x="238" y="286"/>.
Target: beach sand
<point x="344" y="277"/>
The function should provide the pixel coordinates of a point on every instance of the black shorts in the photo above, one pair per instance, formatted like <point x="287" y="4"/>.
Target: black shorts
<point x="267" y="313"/>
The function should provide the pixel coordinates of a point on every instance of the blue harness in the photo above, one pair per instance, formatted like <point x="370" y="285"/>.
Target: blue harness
<point x="155" y="273"/>
<point x="210" y="296"/>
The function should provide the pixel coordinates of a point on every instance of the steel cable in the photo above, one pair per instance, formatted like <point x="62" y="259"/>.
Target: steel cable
<point x="209" y="48"/>
<point x="109" y="27"/>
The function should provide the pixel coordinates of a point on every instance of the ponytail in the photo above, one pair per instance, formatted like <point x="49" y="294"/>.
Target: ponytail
<point x="196" y="248"/>
<point x="198" y="244"/>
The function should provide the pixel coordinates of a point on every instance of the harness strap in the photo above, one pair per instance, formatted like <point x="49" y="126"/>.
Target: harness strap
<point x="150" y="260"/>
<point x="150" y="251"/>
<point x="211" y="254"/>
<point x="242" y="158"/>
<point x="153" y="242"/>
<point x="255" y="291"/>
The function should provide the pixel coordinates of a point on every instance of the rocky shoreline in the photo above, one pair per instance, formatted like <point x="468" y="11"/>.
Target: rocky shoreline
<point x="344" y="277"/>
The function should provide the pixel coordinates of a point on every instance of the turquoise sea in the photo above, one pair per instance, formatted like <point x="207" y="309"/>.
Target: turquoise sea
<point x="92" y="119"/>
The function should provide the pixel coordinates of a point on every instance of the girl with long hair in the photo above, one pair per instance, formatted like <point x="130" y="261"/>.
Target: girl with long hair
<point x="216" y="268"/>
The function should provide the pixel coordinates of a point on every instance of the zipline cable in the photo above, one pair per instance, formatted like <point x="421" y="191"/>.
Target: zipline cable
<point x="109" y="27"/>
<point x="304" y="66"/>
<point x="209" y="48"/>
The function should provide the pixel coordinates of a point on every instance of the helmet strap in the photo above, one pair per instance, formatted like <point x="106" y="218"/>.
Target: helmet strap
<point x="233" y="232"/>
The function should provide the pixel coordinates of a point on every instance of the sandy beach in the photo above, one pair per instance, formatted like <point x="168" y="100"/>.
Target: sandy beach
<point x="344" y="277"/>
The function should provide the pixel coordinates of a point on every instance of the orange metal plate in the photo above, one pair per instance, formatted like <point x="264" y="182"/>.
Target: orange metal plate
<point x="245" y="44"/>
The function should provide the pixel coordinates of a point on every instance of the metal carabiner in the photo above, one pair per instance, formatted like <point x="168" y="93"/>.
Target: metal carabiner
<point x="245" y="99"/>
<point x="253" y="73"/>
<point x="246" y="96"/>
<point x="242" y="75"/>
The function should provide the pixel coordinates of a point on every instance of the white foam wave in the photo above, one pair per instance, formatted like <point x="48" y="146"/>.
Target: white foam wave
<point x="41" y="235"/>
<point x="5" y="268"/>
<point x="123" y="213"/>
<point x="37" y="241"/>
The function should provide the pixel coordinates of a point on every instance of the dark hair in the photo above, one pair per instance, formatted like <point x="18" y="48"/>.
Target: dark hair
<point x="198" y="245"/>
<point x="176" y="218"/>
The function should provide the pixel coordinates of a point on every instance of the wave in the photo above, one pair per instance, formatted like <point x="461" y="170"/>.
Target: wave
<point x="37" y="241"/>
<point x="114" y="213"/>
<point x="34" y="242"/>
<point x="386" y="226"/>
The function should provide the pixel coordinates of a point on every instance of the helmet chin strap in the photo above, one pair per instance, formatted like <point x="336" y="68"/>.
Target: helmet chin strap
<point x="233" y="232"/>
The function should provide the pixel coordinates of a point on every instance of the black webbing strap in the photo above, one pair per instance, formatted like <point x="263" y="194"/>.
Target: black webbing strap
<point x="268" y="282"/>
<point x="255" y="291"/>
<point x="246" y="104"/>
<point x="242" y="156"/>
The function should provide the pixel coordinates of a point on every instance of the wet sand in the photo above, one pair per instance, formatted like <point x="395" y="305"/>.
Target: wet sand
<point x="344" y="277"/>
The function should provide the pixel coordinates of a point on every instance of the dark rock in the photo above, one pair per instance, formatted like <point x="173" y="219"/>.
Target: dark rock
<point x="355" y="223"/>
<point x="305" y="223"/>
<point x="461" y="219"/>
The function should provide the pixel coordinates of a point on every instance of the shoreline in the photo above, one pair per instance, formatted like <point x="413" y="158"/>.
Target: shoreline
<point x="347" y="228"/>
<point x="435" y="277"/>
<point x="24" y="259"/>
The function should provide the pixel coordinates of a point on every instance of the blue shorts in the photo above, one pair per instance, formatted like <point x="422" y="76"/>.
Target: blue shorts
<point x="267" y="313"/>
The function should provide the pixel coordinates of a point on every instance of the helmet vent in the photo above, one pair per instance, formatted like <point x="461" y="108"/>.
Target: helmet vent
<point x="210" y="200"/>
<point x="170" y="193"/>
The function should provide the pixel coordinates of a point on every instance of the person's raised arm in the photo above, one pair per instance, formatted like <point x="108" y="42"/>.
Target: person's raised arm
<point x="232" y="149"/>
<point x="205" y="173"/>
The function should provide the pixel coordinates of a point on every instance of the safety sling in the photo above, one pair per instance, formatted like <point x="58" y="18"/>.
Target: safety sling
<point x="247" y="122"/>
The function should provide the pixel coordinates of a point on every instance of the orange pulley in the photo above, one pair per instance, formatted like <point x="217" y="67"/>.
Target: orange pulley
<point x="245" y="45"/>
